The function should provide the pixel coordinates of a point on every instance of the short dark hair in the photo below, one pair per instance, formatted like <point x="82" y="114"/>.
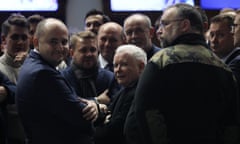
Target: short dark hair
<point x="15" y="19"/>
<point x="189" y="12"/>
<point x="97" y="12"/>
<point x="81" y="35"/>
<point x="229" y="19"/>
<point x="36" y="18"/>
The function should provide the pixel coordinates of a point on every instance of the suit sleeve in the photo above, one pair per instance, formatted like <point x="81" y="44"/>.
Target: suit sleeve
<point x="11" y="88"/>
<point x="60" y="97"/>
<point x="234" y="66"/>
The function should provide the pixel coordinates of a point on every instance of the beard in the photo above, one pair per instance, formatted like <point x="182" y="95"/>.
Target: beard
<point x="164" y="43"/>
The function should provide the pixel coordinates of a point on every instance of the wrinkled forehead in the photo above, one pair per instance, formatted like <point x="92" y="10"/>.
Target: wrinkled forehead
<point x="135" y="23"/>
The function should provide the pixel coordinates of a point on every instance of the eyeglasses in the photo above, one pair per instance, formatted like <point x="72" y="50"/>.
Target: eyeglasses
<point x="164" y="23"/>
<point x="234" y="26"/>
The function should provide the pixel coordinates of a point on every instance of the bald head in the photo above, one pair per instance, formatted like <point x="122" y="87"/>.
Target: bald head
<point x="112" y="27"/>
<point x="138" y="18"/>
<point x="47" y="24"/>
<point x="138" y="31"/>
<point x="51" y="40"/>
<point x="110" y="36"/>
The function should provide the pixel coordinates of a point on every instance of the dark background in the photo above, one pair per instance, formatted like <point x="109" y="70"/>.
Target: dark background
<point x="115" y="16"/>
<point x="60" y="13"/>
<point x="119" y="16"/>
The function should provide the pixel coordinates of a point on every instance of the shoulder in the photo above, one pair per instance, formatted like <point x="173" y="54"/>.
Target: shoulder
<point x="105" y="73"/>
<point x="67" y="71"/>
<point x="182" y="53"/>
<point x="233" y="57"/>
<point x="156" y="48"/>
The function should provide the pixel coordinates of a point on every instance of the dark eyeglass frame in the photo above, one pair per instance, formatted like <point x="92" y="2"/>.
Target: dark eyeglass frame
<point x="164" y="23"/>
<point x="233" y="26"/>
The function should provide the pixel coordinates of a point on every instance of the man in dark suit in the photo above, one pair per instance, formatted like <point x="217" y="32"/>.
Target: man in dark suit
<point x="224" y="37"/>
<point x="50" y="110"/>
<point x="138" y="30"/>
<point x="110" y="36"/>
<point x="129" y="62"/>
<point x="84" y="73"/>
<point x="233" y="58"/>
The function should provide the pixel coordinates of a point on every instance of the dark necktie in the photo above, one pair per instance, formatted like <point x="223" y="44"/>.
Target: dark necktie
<point x="109" y="67"/>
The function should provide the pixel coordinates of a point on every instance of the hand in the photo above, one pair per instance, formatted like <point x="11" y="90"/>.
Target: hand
<point x="103" y="108"/>
<point x="3" y="93"/>
<point x="90" y="111"/>
<point x="20" y="57"/>
<point x="107" y="119"/>
<point x="103" y="98"/>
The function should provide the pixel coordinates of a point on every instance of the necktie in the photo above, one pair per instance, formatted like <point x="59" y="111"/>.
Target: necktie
<point x="109" y="67"/>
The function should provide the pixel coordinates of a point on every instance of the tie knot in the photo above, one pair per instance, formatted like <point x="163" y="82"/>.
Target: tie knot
<point x="109" y="66"/>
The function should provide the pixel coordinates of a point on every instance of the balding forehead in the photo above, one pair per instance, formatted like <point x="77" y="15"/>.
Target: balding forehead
<point x="54" y="22"/>
<point x="111" y="26"/>
<point x="170" y="12"/>
<point x="138" y="18"/>
<point x="49" y="23"/>
<point x="135" y="18"/>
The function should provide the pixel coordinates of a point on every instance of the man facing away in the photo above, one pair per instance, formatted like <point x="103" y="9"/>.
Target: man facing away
<point x="186" y="94"/>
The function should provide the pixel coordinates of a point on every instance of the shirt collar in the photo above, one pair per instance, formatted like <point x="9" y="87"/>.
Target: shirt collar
<point x="103" y="63"/>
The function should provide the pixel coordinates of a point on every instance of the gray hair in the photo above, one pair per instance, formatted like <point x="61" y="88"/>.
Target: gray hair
<point x="133" y="50"/>
<point x="146" y="19"/>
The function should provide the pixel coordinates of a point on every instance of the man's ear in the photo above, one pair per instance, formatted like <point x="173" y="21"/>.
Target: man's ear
<point x="71" y="51"/>
<point x="141" y="66"/>
<point x="35" y="42"/>
<point x="185" y="25"/>
<point x="3" y="39"/>
<point x="152" y="32"/>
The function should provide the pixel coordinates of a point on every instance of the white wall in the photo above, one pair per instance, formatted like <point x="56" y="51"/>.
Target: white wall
<point x="76" y="10"/>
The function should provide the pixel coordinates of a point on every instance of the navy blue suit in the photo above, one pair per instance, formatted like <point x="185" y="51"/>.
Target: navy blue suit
<point x="233" y="61"/>
<point x="11" y="88"/>
<point x="151" y="52"/>
<point x="48" y="107"/>
<point x="112" y="132"/>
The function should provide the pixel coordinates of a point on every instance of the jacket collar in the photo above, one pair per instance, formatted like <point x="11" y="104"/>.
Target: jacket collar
<point x="191" y="39"/>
